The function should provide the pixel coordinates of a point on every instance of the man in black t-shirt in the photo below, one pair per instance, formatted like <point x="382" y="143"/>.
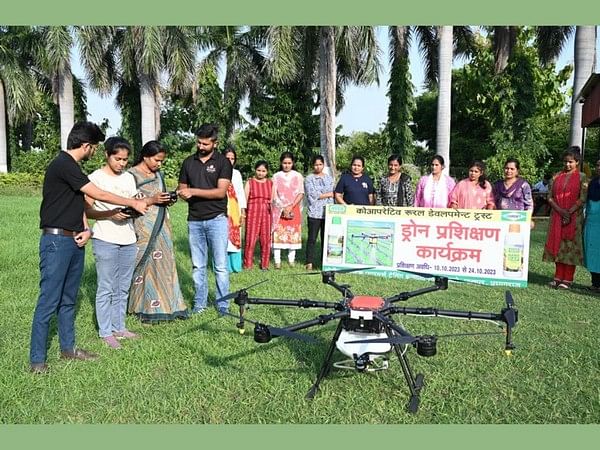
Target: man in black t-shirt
<point x="65" y="232"/>
<point x="203" y="182"/>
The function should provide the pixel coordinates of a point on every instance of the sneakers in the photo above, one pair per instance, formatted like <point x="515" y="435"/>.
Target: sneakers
<point x="78" y="353"/>
<point x="125" y="334"/>
<point x="308" y="266"/>
<point x="197" y="311"/>
<point x="112" y="342"/>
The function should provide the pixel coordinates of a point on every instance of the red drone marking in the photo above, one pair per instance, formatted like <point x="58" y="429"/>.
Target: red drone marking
<point x="366" y="303"/>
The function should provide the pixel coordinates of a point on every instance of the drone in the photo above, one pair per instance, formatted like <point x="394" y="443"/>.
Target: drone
<point x="367" y="332"/>
<point x="373" y="237"/>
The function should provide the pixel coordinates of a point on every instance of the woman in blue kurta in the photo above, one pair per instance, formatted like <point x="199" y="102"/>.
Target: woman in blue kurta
<point x="591" y="234"/>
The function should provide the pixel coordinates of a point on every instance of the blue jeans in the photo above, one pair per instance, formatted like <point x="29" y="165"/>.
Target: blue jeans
<point x="114" y="267"/>
<point x="61" y="266"/>
<point x="205" y="235"/>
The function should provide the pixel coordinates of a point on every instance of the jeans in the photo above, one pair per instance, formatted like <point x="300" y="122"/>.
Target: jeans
<point x="61" y="267"/>
<point x="314" y="227"/>
<point x="205" y="235"/>
<point x="114" y="267"/>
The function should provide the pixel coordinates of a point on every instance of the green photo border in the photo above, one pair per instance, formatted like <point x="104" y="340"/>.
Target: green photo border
<point x="313" y="12"/>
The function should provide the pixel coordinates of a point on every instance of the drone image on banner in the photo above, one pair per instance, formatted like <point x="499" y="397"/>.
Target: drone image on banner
<point x="366" y="332"/>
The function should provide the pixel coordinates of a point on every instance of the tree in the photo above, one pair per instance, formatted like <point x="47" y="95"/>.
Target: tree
<point x="54" y="57"/>
<point x="308" y="55"/>
<point x="17" y="84"/>
<point x="585" y="62"/>
<point x="139" y="57"/>
<point x="400" y="93"/>
<point x="444" y="96"/>
<point x="241" y="50"/>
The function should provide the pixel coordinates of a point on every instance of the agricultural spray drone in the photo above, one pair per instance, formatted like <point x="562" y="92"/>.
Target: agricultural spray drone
<point x="366" y="332"/>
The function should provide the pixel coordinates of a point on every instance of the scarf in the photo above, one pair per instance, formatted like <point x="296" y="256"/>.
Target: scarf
<point x="436" y="194"/>
<point x="233" y="217"/>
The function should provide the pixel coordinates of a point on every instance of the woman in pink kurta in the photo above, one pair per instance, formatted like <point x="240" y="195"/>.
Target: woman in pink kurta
<point x="474" y="192"/>
<point x="433" y="190"/>
<point x="288" y="191"/>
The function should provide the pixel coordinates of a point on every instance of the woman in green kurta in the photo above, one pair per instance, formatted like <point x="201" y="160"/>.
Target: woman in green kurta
<point x="155" y="294"/>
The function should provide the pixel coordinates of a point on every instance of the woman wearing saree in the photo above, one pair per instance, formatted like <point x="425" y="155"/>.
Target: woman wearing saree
<point x="155" y="294"/>
<point x="568" y="190"/>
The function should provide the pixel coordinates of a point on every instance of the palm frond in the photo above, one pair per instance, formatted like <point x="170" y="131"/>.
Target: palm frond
<point x="551" y="40"/>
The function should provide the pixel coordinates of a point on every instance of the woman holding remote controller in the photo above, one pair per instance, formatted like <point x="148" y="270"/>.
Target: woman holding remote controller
<point x="113" y="243"/>
<point x="155" y="294"/>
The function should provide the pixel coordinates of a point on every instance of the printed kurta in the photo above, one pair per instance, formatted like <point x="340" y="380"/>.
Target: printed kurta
<point x="287" y="231"/>
<point x="258" y="222"/>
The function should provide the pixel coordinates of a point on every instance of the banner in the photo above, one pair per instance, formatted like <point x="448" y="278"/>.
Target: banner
<point x="484" y="246"/>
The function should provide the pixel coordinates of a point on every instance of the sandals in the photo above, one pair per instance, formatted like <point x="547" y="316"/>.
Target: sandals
<point x="553" y="284"/>
<point x="563" y="286"/>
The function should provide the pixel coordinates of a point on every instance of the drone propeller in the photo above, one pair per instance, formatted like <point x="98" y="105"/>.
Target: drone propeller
<point x="353" y="269"/>
<point x="235" y="294"/>
<point x="431" y="275"/>
<point x="277" y="332"/>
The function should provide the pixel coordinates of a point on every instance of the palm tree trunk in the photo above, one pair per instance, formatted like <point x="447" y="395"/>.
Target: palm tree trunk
<point x="3" y="134"/>
<point x="148" y="107"/>
<point x="327" y="87"/>
<point x="65" y="104"/>
<point x="585" y="61"/>
<point x="444" y="97"/>
<point x="504" y="41"/>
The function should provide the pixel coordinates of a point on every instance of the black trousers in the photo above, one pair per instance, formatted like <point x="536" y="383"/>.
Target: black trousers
<point x="595" y="279"/>
<point x="314" y="226"/>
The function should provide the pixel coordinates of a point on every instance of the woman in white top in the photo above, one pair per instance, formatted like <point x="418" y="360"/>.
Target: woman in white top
<point x="114" y="243"/>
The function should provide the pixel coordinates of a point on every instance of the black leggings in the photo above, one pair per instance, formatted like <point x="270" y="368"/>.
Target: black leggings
<point x="595" y="279"/>
<point x="314" y="226"/>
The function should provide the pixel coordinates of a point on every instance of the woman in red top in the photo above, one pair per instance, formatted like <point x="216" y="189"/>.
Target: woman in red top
<point x="567" y="196"/>
<point x="258" y="215"/>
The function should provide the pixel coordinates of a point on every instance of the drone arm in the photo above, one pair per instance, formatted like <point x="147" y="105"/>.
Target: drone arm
<point x="403" y="296"/>
<point x="507" y="315"/>
<point x="391" y="324"/>
<point x="321" y="320"/>
<point x="301" y="303"/>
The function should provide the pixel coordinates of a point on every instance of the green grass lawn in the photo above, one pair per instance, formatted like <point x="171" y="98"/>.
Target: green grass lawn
<point x="203" y="371"/>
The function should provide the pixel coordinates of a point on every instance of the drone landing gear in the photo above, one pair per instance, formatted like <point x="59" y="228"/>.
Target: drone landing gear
<point x="414" y="383"/>
<point x="326" y="366"/>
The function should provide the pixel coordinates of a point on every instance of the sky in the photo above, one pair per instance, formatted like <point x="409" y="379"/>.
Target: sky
<point x="365" y="108"/>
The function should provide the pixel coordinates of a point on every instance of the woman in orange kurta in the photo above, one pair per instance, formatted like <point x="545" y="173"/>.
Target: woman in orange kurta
<point x="259" y="190"/>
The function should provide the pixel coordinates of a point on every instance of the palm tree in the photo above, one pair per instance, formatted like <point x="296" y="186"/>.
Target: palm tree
<point x="550" y="42"/>
<point x="141" y="56"/>
<point x="16" y="86"/>
<point x="310" y="56"/>
<point x="444" y="96"/>
<point x="585" y="62"/>
<point x="54" y="58"/>
<point x="240" y="49"/>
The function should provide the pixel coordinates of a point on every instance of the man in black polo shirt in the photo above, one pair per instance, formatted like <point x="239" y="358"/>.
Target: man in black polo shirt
<point x="203" y="182"/>
<point x="64" y="234"/>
